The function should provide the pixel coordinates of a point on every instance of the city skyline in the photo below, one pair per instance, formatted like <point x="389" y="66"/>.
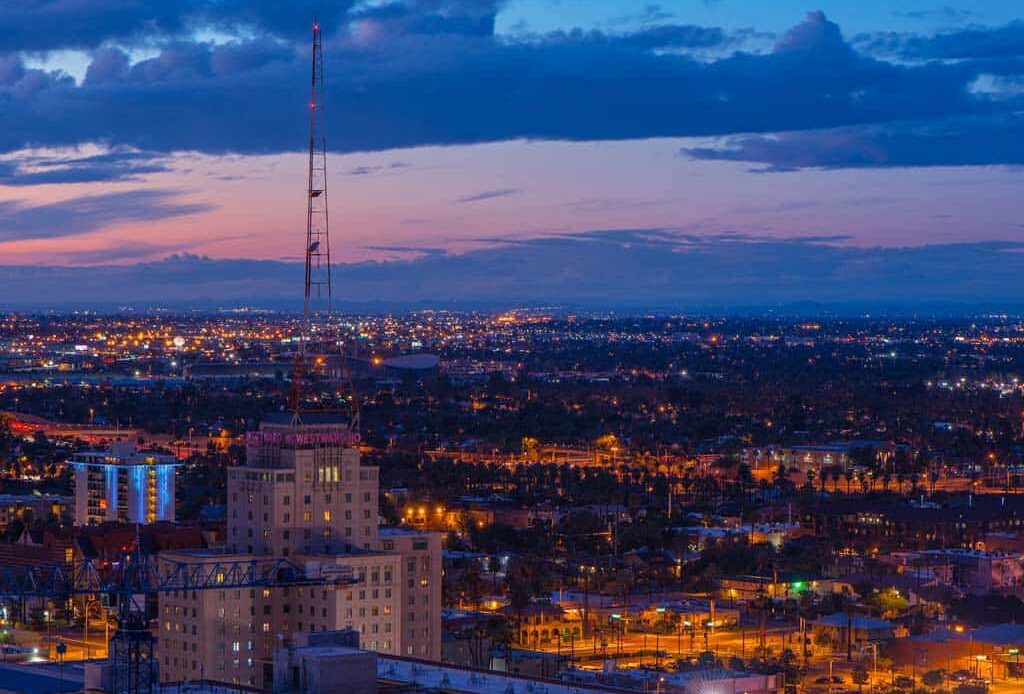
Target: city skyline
<point x="467" y="134"/>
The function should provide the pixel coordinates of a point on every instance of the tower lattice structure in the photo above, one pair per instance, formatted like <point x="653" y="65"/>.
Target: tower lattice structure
<point x="318" y="284"/>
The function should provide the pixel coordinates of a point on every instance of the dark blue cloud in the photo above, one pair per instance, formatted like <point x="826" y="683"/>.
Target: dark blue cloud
<point x="489" y="195"/>
<point x="431" y="17"/>
<point x="106" y="167"/>
<point x="424" y="72"/>
<point x="979" y="141"/>
<point x="20" y="220"/>
<point x="42" y="25"/>
<point x="398" y="78"/>
<point x="660" y="37"/>
<point x="1006" y="41"/>
<point x="620" y="268"/>
<point x="122" y="252"/>
<point x="367" y="170"/>
<point x="408" y="250"/>
<point x="37" y="26"/>
<point x="945" y="13"/>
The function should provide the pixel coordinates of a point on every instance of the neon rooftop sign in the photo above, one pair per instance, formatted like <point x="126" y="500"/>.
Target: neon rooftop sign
<point x="311" y="438"/>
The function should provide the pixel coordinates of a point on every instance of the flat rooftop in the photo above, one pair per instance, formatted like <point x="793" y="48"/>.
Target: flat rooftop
<point x="430" y="676"/>
<point x="40" y="678"/>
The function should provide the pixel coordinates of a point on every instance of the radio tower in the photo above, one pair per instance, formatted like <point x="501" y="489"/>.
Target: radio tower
<point x="318" y="241"/>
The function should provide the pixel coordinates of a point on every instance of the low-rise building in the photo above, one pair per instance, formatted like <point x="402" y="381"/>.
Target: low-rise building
<point x="859" y="629"/>
<point x="33" y="507"/>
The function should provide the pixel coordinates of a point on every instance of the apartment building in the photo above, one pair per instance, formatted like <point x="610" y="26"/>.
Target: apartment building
<point x="123" y="484"/>
<point x="304" y="495"/>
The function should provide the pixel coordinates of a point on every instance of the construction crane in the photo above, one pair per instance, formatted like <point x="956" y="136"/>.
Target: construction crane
<point x="124" y="584"/>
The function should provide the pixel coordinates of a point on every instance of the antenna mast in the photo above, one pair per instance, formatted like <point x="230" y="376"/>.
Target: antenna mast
<point x="318" y="243"/>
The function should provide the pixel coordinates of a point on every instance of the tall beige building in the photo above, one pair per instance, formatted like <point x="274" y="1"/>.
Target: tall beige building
<point x="304" y="495"/>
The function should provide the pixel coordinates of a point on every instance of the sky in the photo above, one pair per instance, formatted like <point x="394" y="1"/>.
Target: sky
<point x="483" y="150"/>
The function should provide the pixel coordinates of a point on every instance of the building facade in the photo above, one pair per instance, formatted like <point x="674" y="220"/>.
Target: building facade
<point x="31" y="507"/>
<point x="303" y="494"/>
<point x="123" y="484"/>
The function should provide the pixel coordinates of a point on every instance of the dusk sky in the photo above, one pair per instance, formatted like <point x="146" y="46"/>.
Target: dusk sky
<point x="135" y="130"/>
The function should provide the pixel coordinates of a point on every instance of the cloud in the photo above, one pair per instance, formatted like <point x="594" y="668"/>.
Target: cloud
<point x="675" y="36"/>
<point x="20" y="220"/>
<point x="106" y="167"/>
<point x="367" y="170"/>
<point x="974" y="42"/>
<point x="946" y="13"/>
<point x="815" y="34"/>
<point x="40" y="25"/>
<point x="489" y="195"/>
<point x="471" y="18"/>
<point x="648" y="14"/>
<point x="962" y="142"/>
<point x="647" y="268"/>
<point x="408" y="250"/>
<point x="433" y="72"/>
<point x="121" y="252"/>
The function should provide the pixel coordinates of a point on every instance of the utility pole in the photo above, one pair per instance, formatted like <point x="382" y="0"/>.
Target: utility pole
<point x="762" y="626"/>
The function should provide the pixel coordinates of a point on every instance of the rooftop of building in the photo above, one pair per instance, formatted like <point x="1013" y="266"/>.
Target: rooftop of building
<point x="408" y="532"/>
<point x="1001" y="634"/>
<point x="328" y="650"/>
<point x="306" y="419"/>
<point x="430" y="676"/>
<point x="857" y="621"/>
<point x="124" y="453"/>
<point x="40" y="678"/>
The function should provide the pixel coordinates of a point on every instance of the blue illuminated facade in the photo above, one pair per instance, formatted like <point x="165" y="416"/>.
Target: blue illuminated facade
<point x="124" y="484"/>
